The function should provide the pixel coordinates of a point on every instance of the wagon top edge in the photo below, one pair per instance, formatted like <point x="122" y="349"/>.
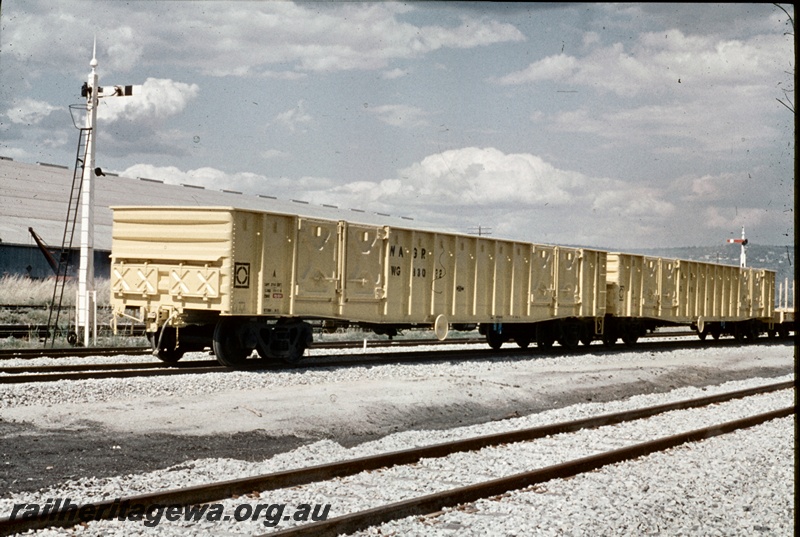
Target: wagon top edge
<point x="612" y="254"/>
<point x="354" y="222"/>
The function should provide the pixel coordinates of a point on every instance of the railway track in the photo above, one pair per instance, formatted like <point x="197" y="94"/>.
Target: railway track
<point x="54" y="373"/>
<point x="74" y="352"/>
<point x="625" y="445"/>
<point x="70" y="352"/>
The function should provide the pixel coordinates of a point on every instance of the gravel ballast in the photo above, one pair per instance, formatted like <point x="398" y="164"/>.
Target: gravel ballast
<point x="738" y="485"/>
<point x="330" y="411"/>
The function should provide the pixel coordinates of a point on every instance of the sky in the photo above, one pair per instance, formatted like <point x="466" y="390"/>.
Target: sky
<point x="616" y="126"/>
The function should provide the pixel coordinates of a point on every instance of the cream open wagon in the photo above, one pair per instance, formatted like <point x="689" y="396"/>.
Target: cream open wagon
<point x="242" y="280"/>
<point x="647" y="292"/>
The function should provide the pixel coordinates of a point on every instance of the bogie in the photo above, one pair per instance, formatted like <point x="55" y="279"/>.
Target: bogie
<point x="233" y="342"/>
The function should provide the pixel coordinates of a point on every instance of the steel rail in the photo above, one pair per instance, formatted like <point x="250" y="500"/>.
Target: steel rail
<point x="72" y="352"/>
<point x="433" y="503"/>
<point x="54" y="373"/>
<point x="75" y="368"/>
<point x="26" y="353"/>
<point x="205" y="493"/>
<point x="127" y="373"/>
<point x="106" y="371"/>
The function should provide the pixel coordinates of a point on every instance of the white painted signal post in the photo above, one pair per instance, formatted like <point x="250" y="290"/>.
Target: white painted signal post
<point x="87" y="303"/>
<point x="742" y="242"/>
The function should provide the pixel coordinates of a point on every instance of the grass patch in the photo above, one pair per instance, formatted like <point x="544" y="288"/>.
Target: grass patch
<point x="25" y="301"/>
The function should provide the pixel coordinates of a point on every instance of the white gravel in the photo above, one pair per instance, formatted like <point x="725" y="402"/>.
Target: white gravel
<point x="738" y="484"/>
<point x="112" y="390"/>
<point x="691" y="493"/>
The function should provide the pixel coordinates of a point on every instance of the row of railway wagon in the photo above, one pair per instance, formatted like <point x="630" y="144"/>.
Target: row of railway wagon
<point x="242" y="280"/>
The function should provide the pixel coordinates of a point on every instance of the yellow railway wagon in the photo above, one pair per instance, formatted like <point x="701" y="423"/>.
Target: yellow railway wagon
<point x="644" y="292"/>
<point x="242" y="280"/>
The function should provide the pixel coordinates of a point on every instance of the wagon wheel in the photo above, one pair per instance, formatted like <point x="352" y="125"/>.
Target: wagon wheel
<point x="544" y="336"/>
<point x="609" y="339"/>
<point x="289" y="341"/>
<point x="715" y="331"/>
<point x="630" y="337"/>
<point x="772" y="333"/>
<point x="701" y="328"/>
<point x="228" y="342"/>
<point x="739" y="332"/>
<point x="164" y="344"/>
<point x="570" y="336"/>
<point x="586" y="335"/>
<point x="752" y="331"/>
<point x="523" y="341"/>
<point x="494" y="338"/>
<point x="264" y="335"/>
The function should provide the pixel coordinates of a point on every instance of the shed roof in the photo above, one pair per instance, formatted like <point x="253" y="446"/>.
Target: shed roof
<point x="37" y="195"/>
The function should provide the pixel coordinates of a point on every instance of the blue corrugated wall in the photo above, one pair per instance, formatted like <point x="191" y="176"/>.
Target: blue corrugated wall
<point x="22" y="260"/>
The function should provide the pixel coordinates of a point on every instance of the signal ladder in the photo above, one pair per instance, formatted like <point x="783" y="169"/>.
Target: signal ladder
<point x="73" y="208"/>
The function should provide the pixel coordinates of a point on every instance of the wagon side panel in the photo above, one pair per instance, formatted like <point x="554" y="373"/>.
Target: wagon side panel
<point x="543" y="281"/>
<point x="651" y="287"/>
<point x="519" y="287"/>
<point x="363" y="285"/>
<point x="443" y="275"/>
<point x="399" y="282"/>
<point x="247" y="253"/>
<point x="568" y="282"/>
<point x="668" y="286"/>
<point x="464" y="281"/>
<point x="274" y="275"/>
<point x="622" y="282"/>
<point x="593" y="283"/>
<point x="410" y="256"/>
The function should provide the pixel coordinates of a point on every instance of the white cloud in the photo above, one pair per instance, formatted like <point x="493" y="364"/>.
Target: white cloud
<point x="732" y="218"/>
<point x="636" y="202"/>
<point x="483" y="176"/>
<point x="123" y="48"/>
<point x="294" y="118"/>
<point x="155" y="99"/>
<point x="647" y="103"/>
<point x="560" y="67"/>
<point x="518" y="195"/>
<point x="29" y="111"/>
<point x="274" y="154"/>
<point x="315" y="37"/>
<point x="283" y="75"/>
<point x="400" y="115"/>
<point x="394" y="73"/>
<point x="656" y="61"/>
<point x="246" y="182"/>
<point x="681" y="127"/>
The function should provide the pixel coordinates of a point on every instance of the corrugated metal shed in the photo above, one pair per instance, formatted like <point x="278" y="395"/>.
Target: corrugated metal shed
<point x="36" y="195"/>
